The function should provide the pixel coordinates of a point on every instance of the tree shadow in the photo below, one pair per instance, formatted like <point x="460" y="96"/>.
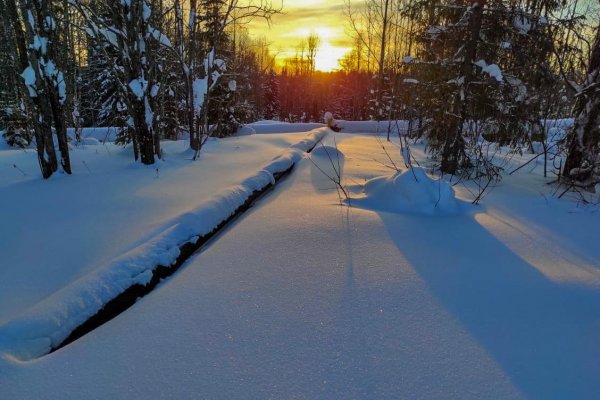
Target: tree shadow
<point x="327" y="167"/>
<point x="355" y="373"/>
<point x="543" y="334"/>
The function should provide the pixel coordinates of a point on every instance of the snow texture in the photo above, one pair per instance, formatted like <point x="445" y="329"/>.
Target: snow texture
<point x="412" y="192"/>
<point x="46" y="325"/>
<point x="232" y="85"/>
<point x="264" y="127"/>
<point x="29" y="78"/>
<point x="199" y="87"/>
<point x="138" y="87"/>
<point x="522" y="23"/>
<point x="159" y="37"/>
<point x="304" y="298"/>
<point x="492" y="70"/>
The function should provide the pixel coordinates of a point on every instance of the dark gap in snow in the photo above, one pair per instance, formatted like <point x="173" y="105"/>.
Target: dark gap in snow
<point x="128" y="298"/>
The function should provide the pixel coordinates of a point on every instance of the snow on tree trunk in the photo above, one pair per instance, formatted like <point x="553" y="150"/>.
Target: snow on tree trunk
<point x="44" y="82"/>
<point x="127" y="30"/>
<point x="583" y="160"/>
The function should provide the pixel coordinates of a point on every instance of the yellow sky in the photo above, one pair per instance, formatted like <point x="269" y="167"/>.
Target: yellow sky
<point x="299" y="19"/>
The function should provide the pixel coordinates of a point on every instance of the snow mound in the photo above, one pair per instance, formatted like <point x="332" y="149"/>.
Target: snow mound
<point x="245" y="130"/>
<point x="327" y="152"/>
<point x="411" y="191"/>
<point x="265" y="127"/>
<point x="87" y="141"/>
<point x="312" y="139"/>
<point x="107" y="134"/>
<point x="268" y="122"/>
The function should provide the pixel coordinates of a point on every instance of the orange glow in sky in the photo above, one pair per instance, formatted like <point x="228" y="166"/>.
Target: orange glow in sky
<point x="300" y="18"/>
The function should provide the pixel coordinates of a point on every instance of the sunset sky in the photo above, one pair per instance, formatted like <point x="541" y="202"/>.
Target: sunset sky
<point x="299" y="19"/>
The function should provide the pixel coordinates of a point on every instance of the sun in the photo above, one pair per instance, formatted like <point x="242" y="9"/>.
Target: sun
<point x="327" y="58"/>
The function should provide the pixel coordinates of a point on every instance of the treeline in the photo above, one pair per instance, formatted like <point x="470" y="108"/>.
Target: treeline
<point x="467" y="75"/>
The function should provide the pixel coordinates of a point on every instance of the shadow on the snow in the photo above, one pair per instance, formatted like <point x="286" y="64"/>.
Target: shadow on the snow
<point x="131" y="294"/>
<point x="540" y="332"/>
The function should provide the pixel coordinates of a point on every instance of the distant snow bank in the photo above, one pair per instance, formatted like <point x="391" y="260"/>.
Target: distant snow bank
<point x="556" y="129"/>
<point x="105" y="134"/>
<point x="412" y="192"/>
<point x="264" y="127"/>
<point x="45" y="326"/>
<point x="380" y="127"/>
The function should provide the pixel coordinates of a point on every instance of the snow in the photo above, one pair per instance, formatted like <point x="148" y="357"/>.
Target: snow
<point x="146" y="11"/>
<point x="159" y="37"/>
<point x="372" y="127"/>
<point x="89" y="141"/>
<point x="28" y="75"/>
<point x="50" y="23"/>
<point x="232" y="84"/>
<point x="58" y="79"/>
<point x="149" y="114"/>
<point x="245" y="130"/>
<point x="411" y="81"/>
<point x="436" y="30"/>
<point x="40" y="44"/>
<point x="327" y="152"/>
<point x="492" y="70"/>
<point x="220" y="64"/>
<point x="31" y="20"/>
<point x="46" y="325"/>
<point x="199" y="87"/>
<point x="411" y="191"/>
<point x="155" y="89"/>
<point x="521" y="89"/>
<point x="109" y="35"/>
<point x="263" y="127"/>
<point x="522" y="23"/>
<point x="138" y="86"/>
<point x="303" y="297"/>
<point x="407" y="59"/>
<point x="106" y="207"/>
<point x="106" y="134"/>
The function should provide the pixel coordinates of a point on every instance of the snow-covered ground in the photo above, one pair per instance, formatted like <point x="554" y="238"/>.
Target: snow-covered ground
<point x="306" y="298"/>
<point x="54" y="232"/>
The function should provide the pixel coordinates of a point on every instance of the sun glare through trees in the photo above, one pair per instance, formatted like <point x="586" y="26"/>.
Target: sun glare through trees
<point x="267" y="199"/>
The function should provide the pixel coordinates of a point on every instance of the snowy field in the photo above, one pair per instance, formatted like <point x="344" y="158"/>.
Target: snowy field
<point x="54" y="232"/>
<point x="404" y="294"/>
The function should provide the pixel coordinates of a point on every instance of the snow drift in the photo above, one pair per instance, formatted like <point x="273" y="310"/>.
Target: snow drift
<point x="327" y="152"/>
<point x="45" y="326"/>
<point x="411" y="191"/>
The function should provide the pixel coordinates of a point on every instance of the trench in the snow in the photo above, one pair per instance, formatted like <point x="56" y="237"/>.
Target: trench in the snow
<point x="128" y="298"/>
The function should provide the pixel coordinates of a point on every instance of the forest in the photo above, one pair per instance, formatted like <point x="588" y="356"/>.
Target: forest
<point x="299" y="199"/>
<point x="465" y="74"/>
